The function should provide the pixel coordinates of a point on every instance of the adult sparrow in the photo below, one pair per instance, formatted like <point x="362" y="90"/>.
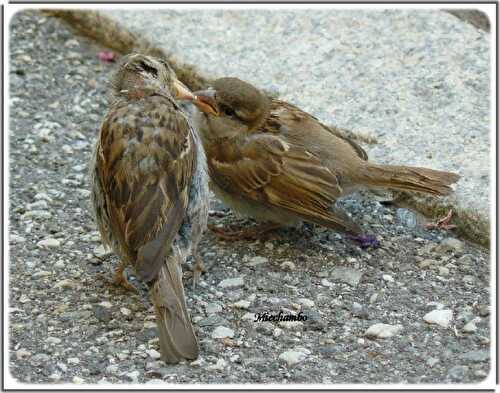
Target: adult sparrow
<point x="150" y="192"/>
<point x="269" y="160"/>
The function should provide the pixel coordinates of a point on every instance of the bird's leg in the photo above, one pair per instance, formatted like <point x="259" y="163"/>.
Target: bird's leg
<point x="198" y="268"/>
<point x="251" y="233"/>
<point x="119" y="278"/>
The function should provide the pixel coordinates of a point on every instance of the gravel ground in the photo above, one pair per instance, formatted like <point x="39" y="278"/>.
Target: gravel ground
<point x="414" y="310"/>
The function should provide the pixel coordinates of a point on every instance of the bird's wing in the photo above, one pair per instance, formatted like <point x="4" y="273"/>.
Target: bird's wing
<point x="145" y="162"/>
<point x="271" y="171"/>
<point x="286" y="113"/>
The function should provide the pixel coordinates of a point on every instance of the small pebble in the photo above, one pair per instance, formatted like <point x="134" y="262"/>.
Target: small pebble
<point x="292" y="357"/>
<point x="431" y="362"/>
<point x="470" y="327"/>
<point x="22" y="354"/>
<point x="243" y="304"/>
<point x="477" y="356"/>
<point x="288" y="265"/>
<point x="220" y="365"/>
<point x="383" y="330"/>
<point x="258" y="260"/>
<point x="450" y="244"/>
<point x="387" y="277"/>
<point x="78" y="380"/>
<point x="222" y="332"/>
<point x="153" y="353"/>
<point x="232" y="283"/>
<point x="125" y="311"/>
<point x="48" y="243"/>
<point x="100" y="251"/>
<point x="458" y="372"/>
<point x="306" y="302"/>
<point x="53" y="340"/>
<point x="213" y="308"/>
<point x="439" y="317"/>
<point x="347" y="275"/>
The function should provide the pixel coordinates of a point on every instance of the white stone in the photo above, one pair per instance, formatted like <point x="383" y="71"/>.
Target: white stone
<point x="255" y="261"/>
<point x="326" y="283"/>
<point x="220" y="365"/>
<point x="232" y="282"/>
<point x="439" y="317"/>
<point x="292" y="357"/>
<point x="243" y="304"/>
<point x="213" y="308"/>
<point x="14" y="239"/>
<point x="73" y="361"/>
<point x="48" y="243"/>
<point x="78" y="380"/>
<point x="383" y="330"/>
<point x="291" y="325"/>
<point x="112" y="369"/>
<point x="66" y="284"/>
<point x="24" y="299"/>
<point x="222" y="332"/>
<point x="22" y="353"/>
<point x="53" y="340"/>
<point x="101" y="251"/>
<point x="153" y="353"/>
<point x="470" y="327"/>
<point x="450" y="244"/>
<point x="36" y="214"/>
<point x="125" y="311"/>
<point x="133" y="375"/>
<point x="106" y="304"/>
<point x="387" y="277"/>
<point x="41" y="274"/>
<point x="288" y="265"/>
<point x="306" y="302"/>
<point x="38" y="205"/>
<point x="249" y="316"/>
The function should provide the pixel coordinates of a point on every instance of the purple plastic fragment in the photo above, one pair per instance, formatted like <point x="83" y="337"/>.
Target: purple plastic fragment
<point x="365" y="241"/>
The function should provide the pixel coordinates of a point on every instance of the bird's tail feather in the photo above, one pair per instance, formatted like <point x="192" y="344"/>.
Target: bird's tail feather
<point x="408" y="178"/>
<point x="177" y="337"/>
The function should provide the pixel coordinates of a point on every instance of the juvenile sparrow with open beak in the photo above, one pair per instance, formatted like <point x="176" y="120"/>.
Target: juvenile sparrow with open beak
<point x="150" y="192"/>
<point x="269" y="160"/>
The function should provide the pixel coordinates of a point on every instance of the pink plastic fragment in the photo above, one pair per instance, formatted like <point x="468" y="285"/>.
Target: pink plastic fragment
<point x="107" y="56"/>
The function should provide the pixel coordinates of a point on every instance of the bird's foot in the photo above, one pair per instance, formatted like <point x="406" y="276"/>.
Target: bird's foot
<point x="442" y="223"/>
<point x="253" y="233"/>
<point x="365" y="241"/>
<point x="119" y="279"/>
<point x="217" y="213"/>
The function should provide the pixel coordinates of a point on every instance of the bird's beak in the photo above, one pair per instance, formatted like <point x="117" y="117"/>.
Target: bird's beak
<point x="205" y="102"/>
<point x="181" y="92"/>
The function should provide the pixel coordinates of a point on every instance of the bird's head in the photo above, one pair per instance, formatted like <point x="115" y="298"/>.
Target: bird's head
<point x="232" y="107"/>
<point x="139" y="76"/>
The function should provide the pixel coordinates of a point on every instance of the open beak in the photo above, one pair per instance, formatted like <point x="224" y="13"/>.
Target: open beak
<point x="205" y="102"/>
<point x="182" y="92"/>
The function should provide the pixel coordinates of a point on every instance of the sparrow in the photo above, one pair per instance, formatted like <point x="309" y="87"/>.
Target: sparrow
<point x="269" y="160"/>
<point x="150" y="192"/>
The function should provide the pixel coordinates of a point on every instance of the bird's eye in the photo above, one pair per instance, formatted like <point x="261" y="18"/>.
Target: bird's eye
<point x="228" y="111"/>
<point x="151" y="70"/>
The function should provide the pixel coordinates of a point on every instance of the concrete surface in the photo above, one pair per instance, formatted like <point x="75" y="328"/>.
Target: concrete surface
<point x="418" y="81"/>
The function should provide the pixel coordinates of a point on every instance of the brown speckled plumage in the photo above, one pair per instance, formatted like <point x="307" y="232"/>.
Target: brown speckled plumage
<point x="272" y="161"/>
<point x="149" y="192"/>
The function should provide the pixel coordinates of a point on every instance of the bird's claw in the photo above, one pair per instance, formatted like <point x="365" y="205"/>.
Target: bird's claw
<point x="442" y="223"/>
